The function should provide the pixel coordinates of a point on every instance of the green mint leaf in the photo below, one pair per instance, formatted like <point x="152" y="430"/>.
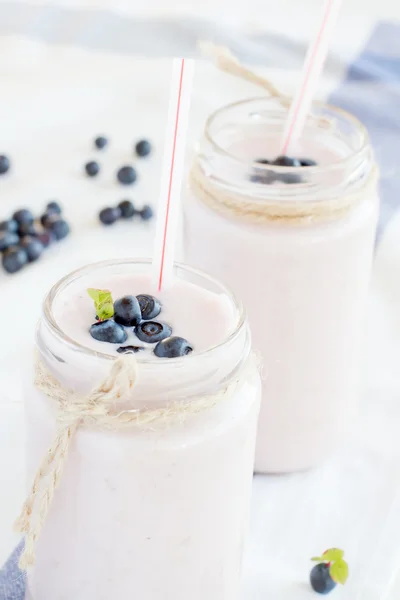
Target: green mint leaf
<point x="332" y="555"/>
<point x="318" y="559"/>
<point x="103" y="303"/>
<point x="339" y="571"/>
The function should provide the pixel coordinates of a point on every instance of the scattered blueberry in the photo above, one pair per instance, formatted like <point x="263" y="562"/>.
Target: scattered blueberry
<point x="129" y="349"/>
<point x="108" y="331"/>
<point x="33" y="247"/>
<point x="127" y="209"/>
<point x="14" y="259"/>
<point x="46" y="238"/>
<point x="53" y="208"/>
<point x="286" y="161"/>
<point x="60" y="229"/>
<point x="152" y="331"/>
<point x="263" y="161"/>
<point x="27" y="229"/>
<point x="47" y="219"/>
<point x="109" y="215"/>
<point x="23" y="216"/>
<point x="8" y="239"/>
<point x="127" y="311"/>
<point x="92" y="168"/>
<point x="126" y="175"/>
<point x="308" y="162"/>
<point x="149" y="306"/>
<point x="4" y="164"/>
<point x="143" y="148"/>
<point x="173" y="347"/>
<point x="320" y="579"/>
<point x="146" y="213"/>
<point x="10" y="225"/>
<point x="101" y="142"/>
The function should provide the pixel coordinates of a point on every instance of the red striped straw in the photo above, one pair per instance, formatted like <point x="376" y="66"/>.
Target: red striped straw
<point x="313" y="65"/>
<point x="172" y="172"/>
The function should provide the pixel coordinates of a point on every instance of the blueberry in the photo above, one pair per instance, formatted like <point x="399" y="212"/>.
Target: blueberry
<point x="14" y="259"/>
<point x="173" y="347"/>
<point x="4" y="164"/>
<point x="263" y="161"/>
<point x="320" y="579"/>
<point x="92" y="168"/>
<point x="127" y="209"/>
<point x="146" y="213"/>
<point x="126" y="175"/>
<point x="143" y="148"/>
<point x="8" y="239"/>
<point x="286" y="161"/>
<point x="127" y="311"/>
<point x="46" y="238"/>
<point x="129" y="349"/>
<point x="23" y="216"/>
<point x="11" y="225"/>
<point x="101" y="142"/>
<point x="33" y="247"/>
<point x="152" y="331"/>
<point x="308" y="162"/>
<point x="47" y="219"/>
<point x="27" y="229"/>
<point x="109" y="215"/>
<point x="60" y="229"/>
<point x="108" y="331"/>
<point x="53" y="208"/>
<point x="149" y="306"/>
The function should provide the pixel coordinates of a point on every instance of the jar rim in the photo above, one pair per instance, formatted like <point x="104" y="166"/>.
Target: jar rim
<point x="363" y="136"/>
<point x="55" y="329"/>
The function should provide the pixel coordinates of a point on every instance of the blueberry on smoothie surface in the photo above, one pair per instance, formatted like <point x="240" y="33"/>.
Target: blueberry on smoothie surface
<point x="286" y="161"/>
<point x="126" y="175"/>
<point x="308" y="162"/>
<point x="108" y="331"/>
<point x="4" y="164"/>
<point x="129" y="349"/>
<point x="173" y="347"/>
<point x="127" y="311"/>
<point x="149" y="306"/>
<point x="152" y="331"/>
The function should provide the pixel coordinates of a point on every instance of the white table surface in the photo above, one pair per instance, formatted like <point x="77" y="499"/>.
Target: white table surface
<point x="48" y="117"/>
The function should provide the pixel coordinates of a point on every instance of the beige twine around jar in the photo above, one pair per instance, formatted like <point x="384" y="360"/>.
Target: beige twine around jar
<point x="246" y="207"/>
<point x="94" y="410"/>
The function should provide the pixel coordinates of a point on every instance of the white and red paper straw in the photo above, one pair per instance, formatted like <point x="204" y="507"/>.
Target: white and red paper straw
<point x="172" y="172"/>
<point x="313" y="65"/>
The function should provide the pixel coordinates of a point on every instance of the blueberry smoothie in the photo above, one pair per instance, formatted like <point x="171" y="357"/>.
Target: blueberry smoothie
<point x="160" y="511"/>
<point x="294" y="237"/>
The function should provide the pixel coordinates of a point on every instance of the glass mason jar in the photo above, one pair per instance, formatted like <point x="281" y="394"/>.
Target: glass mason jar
<point x="296" y="244"/>
<point x="157" y="512"/>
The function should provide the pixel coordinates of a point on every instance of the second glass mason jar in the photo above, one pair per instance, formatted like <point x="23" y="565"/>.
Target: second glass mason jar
<point x="152" y="512"/>
<point x="296" y="243"/>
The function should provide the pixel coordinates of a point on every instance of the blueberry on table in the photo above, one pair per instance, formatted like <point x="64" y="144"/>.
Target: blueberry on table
<point x="14" y="259"/>
<point x="320" y="579"/>
<point x="48" y="218"/>
<point x="129" y="349"/>
<point x="101" y="142"/>
<point x="60" y="229"/>
<point x="152" y="331"/>
<point x="53" y="208"/>
<point x="10" y="225"/>
<point x="109" y="215"/>
<point x="149" y="306"/>
<point x="108" y="331"/>
<point x="27" y="229"/>
<point x="23" y="215"/>
<point x="127" y="209"/>
<point x="127" y="311"/>
<point x="33" y="248"/>
<point x="8" y="239"/>
<point x="146" y="213"/>
<point x="92" y="168"/>
<point x="4" y="164"/>
<point x="143" y="148"/>
<point x="46" y="238"/>
<point x="126" y="175"/>
<point x="173" y="347"/>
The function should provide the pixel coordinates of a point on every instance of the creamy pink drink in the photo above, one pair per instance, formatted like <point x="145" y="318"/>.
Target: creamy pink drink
<point x="149" y="512"/>
<point x="296" y="244"/>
